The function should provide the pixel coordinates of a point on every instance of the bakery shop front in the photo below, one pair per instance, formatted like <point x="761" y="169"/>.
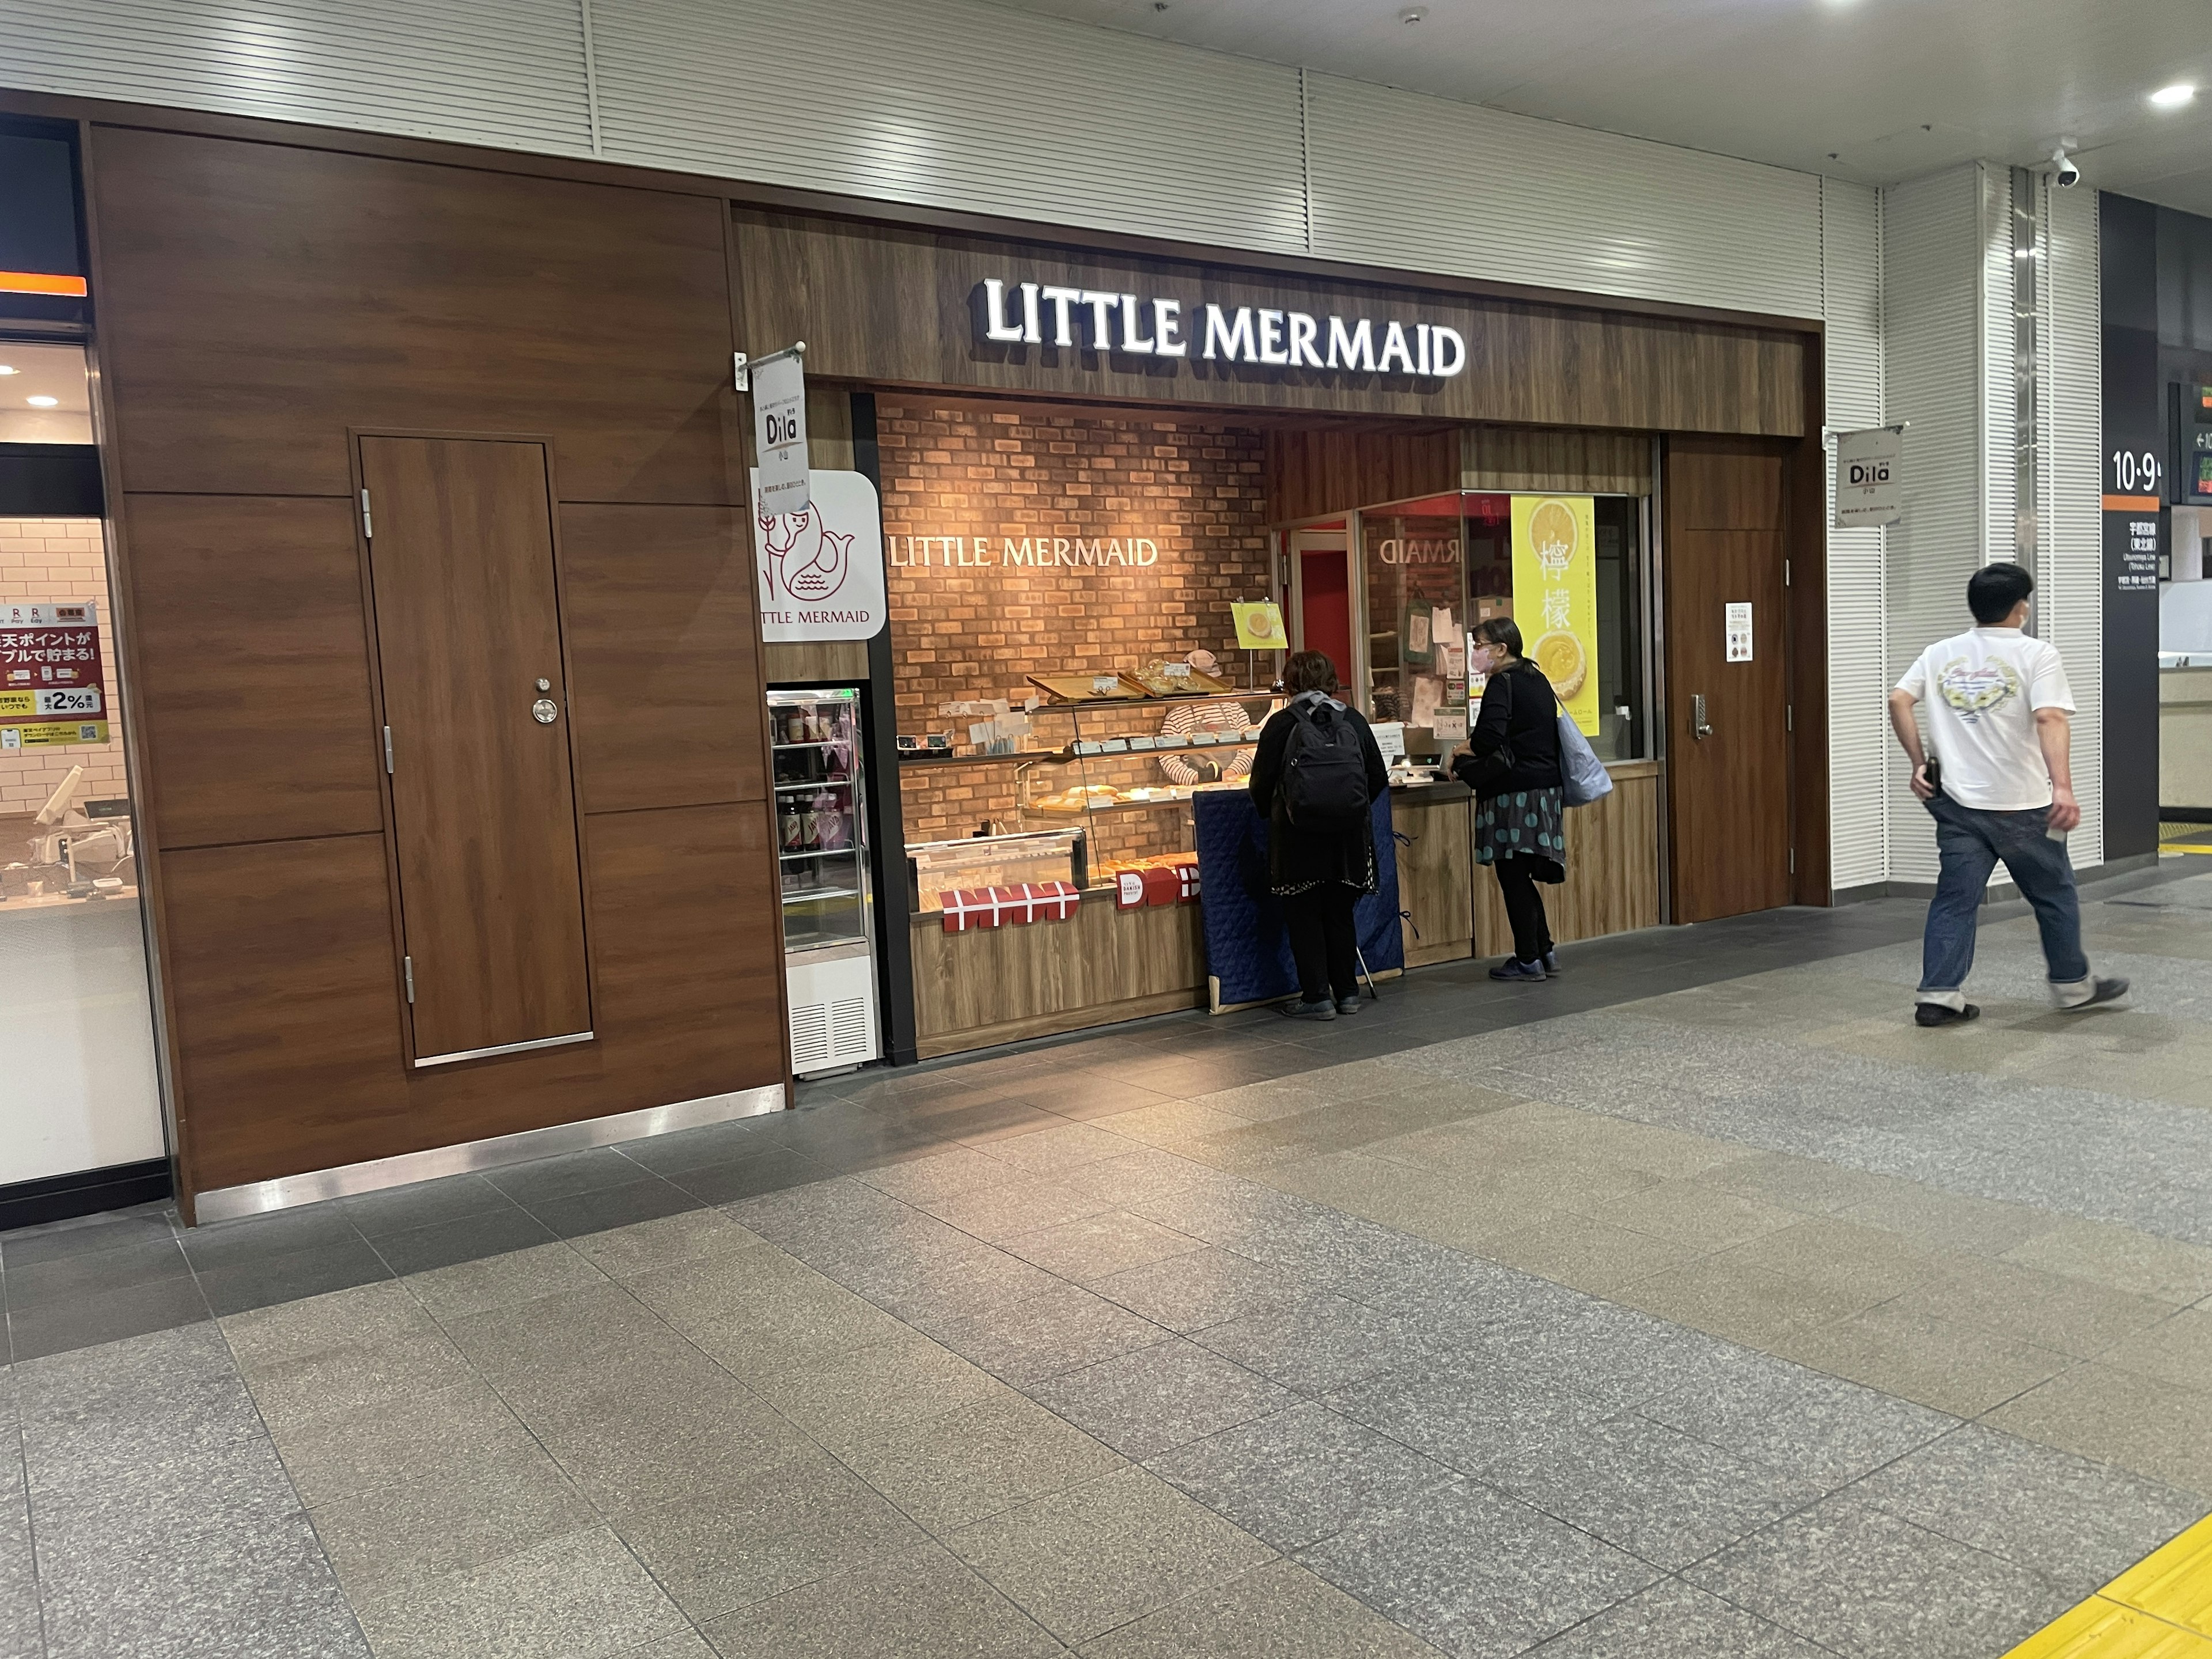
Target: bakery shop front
<point x="1116" y="489"/>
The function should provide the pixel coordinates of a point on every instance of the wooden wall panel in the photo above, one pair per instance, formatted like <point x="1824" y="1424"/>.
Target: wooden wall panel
<point x="252" y="668"/>
<point x="1436" y="873"/>
<point x="662" y="635"/>
<point x="1531" y="458"/>
<point x="820" y="662"/>
<point x="286" y="1007"/>
<point x="1613" y="869"/>
<point x="256" y="300"/>
<point x="884" y="306"/>
<point x="1328" y="469"/>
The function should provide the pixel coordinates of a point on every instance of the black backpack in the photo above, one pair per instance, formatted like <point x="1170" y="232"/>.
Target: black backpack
<point x="1324" y="771"/>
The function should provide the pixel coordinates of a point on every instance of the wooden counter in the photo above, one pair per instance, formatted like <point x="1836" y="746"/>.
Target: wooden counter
<point x="1003" y="984"/>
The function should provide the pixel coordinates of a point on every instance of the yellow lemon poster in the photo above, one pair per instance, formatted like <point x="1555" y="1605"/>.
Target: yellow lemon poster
<point x="1258" y="624"/>
<point x="1555" y="596"/>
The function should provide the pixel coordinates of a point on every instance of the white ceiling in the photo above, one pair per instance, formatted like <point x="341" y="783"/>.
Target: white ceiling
<point x="1872" y="90"/>
<point x="44" y="371"/>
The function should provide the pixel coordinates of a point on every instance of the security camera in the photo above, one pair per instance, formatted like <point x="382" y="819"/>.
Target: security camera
<point x="2065" y="173"/>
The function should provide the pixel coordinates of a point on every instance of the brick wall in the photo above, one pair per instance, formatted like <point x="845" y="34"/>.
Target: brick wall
<point x="60" y="559"/>
<point x="1062" y="474"/>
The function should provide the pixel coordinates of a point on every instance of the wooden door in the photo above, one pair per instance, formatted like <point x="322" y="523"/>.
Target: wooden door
<point x="483" y="809"/>
<point x="1729" y="831"/>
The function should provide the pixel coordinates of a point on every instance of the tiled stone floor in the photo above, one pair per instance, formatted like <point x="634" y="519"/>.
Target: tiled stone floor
<point x="1696" y="1304"/>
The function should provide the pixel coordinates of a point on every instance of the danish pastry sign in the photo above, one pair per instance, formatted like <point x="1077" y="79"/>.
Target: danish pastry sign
<point x="821" y="569"/>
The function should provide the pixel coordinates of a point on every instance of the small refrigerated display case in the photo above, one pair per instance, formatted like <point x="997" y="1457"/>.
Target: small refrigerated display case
<point x="822" y="859"/>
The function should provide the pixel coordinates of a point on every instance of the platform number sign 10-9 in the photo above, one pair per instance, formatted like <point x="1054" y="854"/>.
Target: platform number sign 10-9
<point x="2135" y="472"/>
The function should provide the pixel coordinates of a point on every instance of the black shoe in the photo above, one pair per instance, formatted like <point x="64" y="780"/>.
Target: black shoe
<point x="2105" y="990"/>
<point x="1322" y="1010"/>
<point x="1934" y="1013"/>
<point x="1550" y="960"/>
<point x="1348" y="1005"/>
<point x="1512" y="968"/>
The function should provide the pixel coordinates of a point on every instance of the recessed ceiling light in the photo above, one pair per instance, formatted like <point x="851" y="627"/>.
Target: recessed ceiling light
<point x="1413" y="14"/>
<point x="2174" y="96"/>
<point x="10" y="368"/>
<point x="42" y="402"/>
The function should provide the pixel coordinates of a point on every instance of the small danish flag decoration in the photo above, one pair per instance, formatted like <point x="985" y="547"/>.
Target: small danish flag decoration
<point x="1008" y="907"/>
<point x="969" y="908"/>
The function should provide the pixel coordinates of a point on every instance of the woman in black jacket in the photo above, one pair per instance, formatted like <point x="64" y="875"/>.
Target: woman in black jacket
<point x="1512" y="763"/>
<point x="1317" y="871"/>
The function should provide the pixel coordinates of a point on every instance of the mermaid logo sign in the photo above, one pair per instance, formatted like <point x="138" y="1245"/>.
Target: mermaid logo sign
<point x="821" y="569"/>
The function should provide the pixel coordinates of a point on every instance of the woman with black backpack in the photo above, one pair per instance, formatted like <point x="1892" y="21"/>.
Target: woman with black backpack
<point x="1315" y="775"/>
<point x="1512" y="763"/>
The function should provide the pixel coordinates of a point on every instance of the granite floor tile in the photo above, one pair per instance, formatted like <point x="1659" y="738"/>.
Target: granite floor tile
<point x="466" y="1238"/>
<point x="383" y="1312"/>
<point x="2178" y="1350"/>
<point x="1867" y="1583"/>
<point x="408" y="1209"/>
<point x="450" y="1522"/>
<point x="2118" y="1417"/>
<point x="1652" y="1491"/>
<point x="1155" y="1398"/>
<point x="1064" y="1147"/>
<point x="938" y="1175"/>
<point x="2074" y="1522"/>
<point x="1840" y="1255"/>
<point x="1321" y="1341"/>
<point x="771" y="1314"/>
<point x="545" y="1346"/>
<point x="80" y="1278"/>
<point x="502" y="1280"/>
<point x="649" y="1198"/>
<point x="547" y="1178"/>
<point x="1675" y="1621"/>
<point x="876" y="1391"/>
<point x="921" y="1605"/>
<point x="287" y="1276"/>
<point x="66" y="1326"/>
<point x="1277" y="1610"/>
<point x="1146" y="1172"/>
<point x="1590" y="1255"/>
<point x="1086" y="1096"/>
<point x="1063" y="1328"/>
<point x="1478" y="1574"/>
<point x="86" y="1235"/>
<point x="258" y="1591"/>
<point x="1741" y="1301"/>
<point x="726" y="1547"/>
<point x="999" y="1211"/>
<point x="185" y="1416"/>
<point x="1191" y="1291"/>
<point x="668" y="1241"/>
<point x="2072" y="1315"/>
<point x="1952" y="1221"/>
<point x="1099" y="1246"/>
<point x="1468" y="1415"/>
<point x="331" y="1383"/>
<point x="152" y="1504"/>
<point x="978" y="1460"/>
<point x="684" y="1644"/>
<point x="1084" y="1561"/>
<point x="422" y="1436"/>
<point x="752" y="1175"/>
<point x="1960" y="1369"/>
<point x="1795" y="1419"/>
<point x="2168" y="1269"/>
<point x="649" y="1449"/>
<point x="579" y="1596"/>
<point x="1300" y="1475"/>
<point x="695" y="1148"/>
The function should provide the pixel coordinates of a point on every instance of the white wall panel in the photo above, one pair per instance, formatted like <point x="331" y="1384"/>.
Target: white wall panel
<point x="1858" y="662"/>
<point x="958" y="105"/>
<point x="1933" y="248"/>
<point x="2070" y="559"/>
<point x="2000" y="370"/>
<point x="506" y="73"/>
<point x="1404" y="179"/>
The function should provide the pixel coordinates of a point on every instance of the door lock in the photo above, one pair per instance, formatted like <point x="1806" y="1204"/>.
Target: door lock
<point x="546" y="711"/>
<point x="545" y="685"/>
<point x="1699" y="727"/>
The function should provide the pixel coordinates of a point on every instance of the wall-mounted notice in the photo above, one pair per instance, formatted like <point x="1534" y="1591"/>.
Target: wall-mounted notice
<point x="1555" y="596"/>
<point x="52" y="688"/>
<point x="1870" y="477"/>
<point x="779" y="386"/>
<point x="1736" y="619"/>
<point x="821" y="568"/>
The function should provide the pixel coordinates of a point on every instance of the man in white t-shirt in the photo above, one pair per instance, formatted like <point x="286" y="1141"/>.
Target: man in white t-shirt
<point x="1999" y="785"/>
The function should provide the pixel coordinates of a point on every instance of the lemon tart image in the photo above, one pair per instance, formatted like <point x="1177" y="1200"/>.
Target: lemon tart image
<point x="1552" y="527"/>
<point x="1559" y="655"/>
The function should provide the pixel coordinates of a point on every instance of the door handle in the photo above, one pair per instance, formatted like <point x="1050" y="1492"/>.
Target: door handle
<point x="546" y="711"/>
<point x="1699" y="727"/>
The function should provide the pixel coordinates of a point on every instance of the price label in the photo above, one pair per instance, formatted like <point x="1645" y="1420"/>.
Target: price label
<point x="1176" y="670"/>
<point x="1102" y="684"/>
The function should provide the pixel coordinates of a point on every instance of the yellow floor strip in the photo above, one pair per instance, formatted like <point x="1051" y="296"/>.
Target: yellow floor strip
<point x="2159" y="1608"/>
<point x="2185" y="847"/>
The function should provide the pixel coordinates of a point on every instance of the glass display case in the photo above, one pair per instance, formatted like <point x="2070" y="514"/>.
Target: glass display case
<point x="818" y="778"/>
<point x="1121" y="771"/>
<point x="935" y="868"/>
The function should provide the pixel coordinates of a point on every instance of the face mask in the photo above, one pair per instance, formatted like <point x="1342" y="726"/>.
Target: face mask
<point x="1482" y="659"/>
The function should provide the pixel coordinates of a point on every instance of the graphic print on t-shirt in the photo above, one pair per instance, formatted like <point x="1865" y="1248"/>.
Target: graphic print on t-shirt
<point x="1977" y="688"/>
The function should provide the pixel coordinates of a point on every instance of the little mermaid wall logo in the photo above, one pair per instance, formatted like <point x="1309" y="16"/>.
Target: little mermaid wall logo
<point x="822" y="569"/>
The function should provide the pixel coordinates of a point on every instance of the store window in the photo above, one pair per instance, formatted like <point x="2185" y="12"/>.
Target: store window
<point x="75" y="1017"/>
<point x="1568" y="569"/>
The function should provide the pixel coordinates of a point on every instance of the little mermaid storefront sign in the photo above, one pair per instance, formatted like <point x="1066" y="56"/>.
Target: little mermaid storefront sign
<point x="822" y="569"/>
<point x="1144" y="325"/>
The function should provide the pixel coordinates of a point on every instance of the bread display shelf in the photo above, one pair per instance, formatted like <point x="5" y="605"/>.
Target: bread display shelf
<point x="1073" y="691"/>
<point x="1087" y="749"/>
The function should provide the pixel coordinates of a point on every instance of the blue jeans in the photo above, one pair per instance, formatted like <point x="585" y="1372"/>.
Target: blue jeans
<point x="1971" y="843"/>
